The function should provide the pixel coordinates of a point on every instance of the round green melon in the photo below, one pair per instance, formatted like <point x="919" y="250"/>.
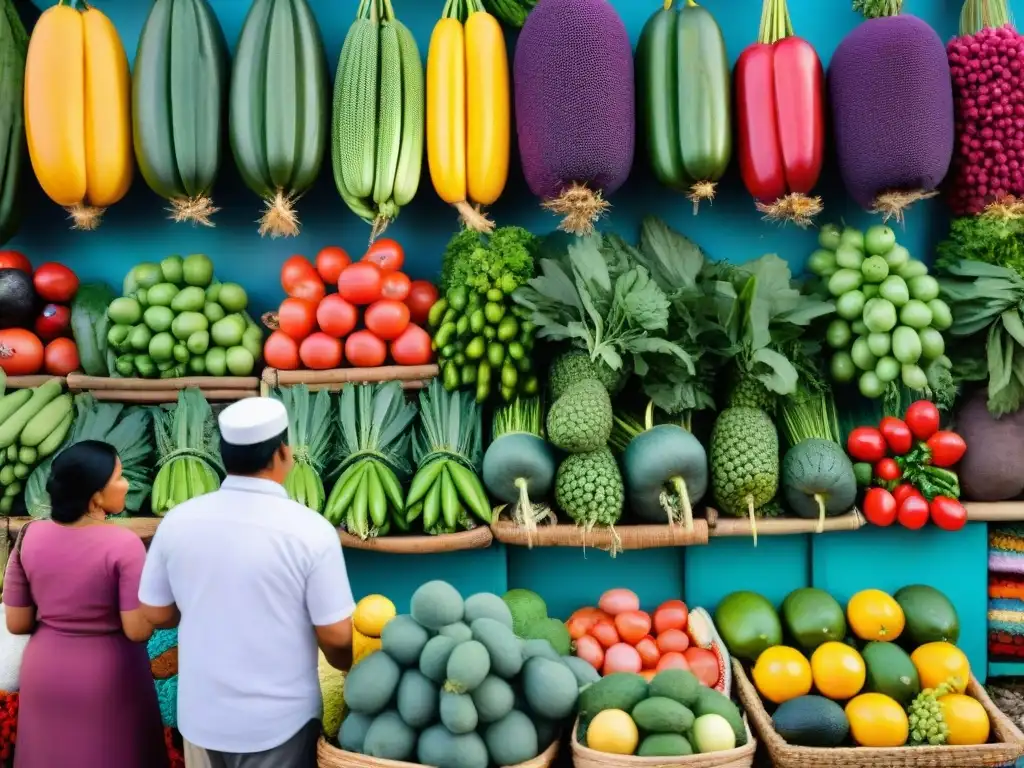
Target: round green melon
<point x="818" y="480"/>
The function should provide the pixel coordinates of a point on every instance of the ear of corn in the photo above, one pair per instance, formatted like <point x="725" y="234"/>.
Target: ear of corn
<point x="13" y="48"/>
<point x="77" y="111"/>
<point x="468" y="110"/>
<point x="377" y="127"/>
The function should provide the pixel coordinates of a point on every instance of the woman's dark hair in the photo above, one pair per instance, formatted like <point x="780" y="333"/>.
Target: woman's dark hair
<point x="250" y="459"/>
<point x="78" y="472"/>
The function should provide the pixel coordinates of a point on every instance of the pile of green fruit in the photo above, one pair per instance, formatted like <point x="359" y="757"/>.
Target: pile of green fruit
<point x="453" y="685"/>
<point x="890" y="316"/>
<point x="174" y="319"/>
<point x="483" y="340"/>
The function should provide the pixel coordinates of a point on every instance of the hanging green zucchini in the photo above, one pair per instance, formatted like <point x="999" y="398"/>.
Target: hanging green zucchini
<point x="278" y="109"/>
<point x="685" y="100"/>
<point x="179" y="105"/>
<point x="13" y="49"/>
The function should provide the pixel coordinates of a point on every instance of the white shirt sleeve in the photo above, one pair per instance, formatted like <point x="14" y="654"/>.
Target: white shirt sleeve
<point x="328" y="592"/>
<point x="155" y="586"/>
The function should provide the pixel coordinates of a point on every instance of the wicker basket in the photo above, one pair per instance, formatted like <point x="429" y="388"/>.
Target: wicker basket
<point x="478" y="538"/>
<point x="1004" y="752"/>
<point x="741" y="757"/>
<point x="332" y="757"/>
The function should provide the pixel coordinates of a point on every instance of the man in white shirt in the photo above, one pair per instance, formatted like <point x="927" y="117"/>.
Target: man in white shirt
<point x="255" y="583"/>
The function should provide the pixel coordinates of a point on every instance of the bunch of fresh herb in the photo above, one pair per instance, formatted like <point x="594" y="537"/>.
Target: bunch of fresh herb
<point x="996" y="236"/>
<point x="503" y="259"/>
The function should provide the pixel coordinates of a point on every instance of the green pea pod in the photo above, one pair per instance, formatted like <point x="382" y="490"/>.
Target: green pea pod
<point x="457" y="298"/>
<point x="376" y="500"/>
<point x="392" y="488"/>
<point x="451" y="376"/>
<point x="343" y="493"/>
<point x="444" y="335"/>
<point x="432" y="504"/>
<point x="470" y="490"/>
<point x="449" y="499"/>
<point x="424" y="481"/>
<point x="437" y="312"/>
<point x="412" y="513"/>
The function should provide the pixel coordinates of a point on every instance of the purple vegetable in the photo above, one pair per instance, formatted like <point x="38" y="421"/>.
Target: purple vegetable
<point x="574" y="105"/>
<point x="892" y="112"/>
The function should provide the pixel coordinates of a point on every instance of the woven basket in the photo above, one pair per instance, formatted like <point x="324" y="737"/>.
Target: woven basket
<point x="1004" y="752"/>
<point x="478" y="538"/>
<point x="332" y="757"/>
<point x="741" y="757"/>
<point x="622" y="538"/>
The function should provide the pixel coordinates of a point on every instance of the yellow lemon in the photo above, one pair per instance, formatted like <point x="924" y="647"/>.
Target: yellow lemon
<point x="877" y="721"/>
<point x="613" y="731"/>
<point x="839" y="671"/>
<point x="781" y="674"/>
<point x="966" y="719"/>
<point x="363" y="646"/>
<point x="875" y="615"/>
<point x="939" y="663"/>
<point x="372" y="613"/>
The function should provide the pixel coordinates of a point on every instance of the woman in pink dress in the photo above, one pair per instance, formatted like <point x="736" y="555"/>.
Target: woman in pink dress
<point x="87" y="697"/>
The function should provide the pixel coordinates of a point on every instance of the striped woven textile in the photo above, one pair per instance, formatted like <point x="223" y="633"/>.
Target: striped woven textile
<point x="1006" y="592"/>
<point x="1006" y="549"/>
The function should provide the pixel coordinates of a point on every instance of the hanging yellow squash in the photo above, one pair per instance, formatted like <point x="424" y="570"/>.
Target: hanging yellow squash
<point x="77" y="111"/>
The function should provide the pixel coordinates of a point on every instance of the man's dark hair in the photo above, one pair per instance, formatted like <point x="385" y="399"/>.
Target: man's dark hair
<point x="250" y="459"/>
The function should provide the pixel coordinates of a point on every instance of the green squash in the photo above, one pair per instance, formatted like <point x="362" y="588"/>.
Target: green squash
<point x="666" y="474"/>
<point x="518" y="467"/>
<point x="818" y="480"/>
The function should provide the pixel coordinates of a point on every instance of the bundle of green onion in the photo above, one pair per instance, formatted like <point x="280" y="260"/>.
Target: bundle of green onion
<point x="188" y="452"/>
<point x="127" y="428"/>
<point x="373" y="450"/>
<point x="310" y="429"/>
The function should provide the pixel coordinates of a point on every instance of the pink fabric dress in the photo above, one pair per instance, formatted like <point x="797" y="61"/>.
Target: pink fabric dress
<point x="87" y="695"/>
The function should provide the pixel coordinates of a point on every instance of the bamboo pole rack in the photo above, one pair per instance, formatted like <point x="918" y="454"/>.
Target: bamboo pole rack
<point x="721" y="526"/>
<point x="153" y="391"/>
<point x="30" y="382"/>
<point x="143" y="527"/>
<point x="410" y="377"/>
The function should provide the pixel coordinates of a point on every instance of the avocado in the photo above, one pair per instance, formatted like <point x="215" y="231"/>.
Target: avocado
<point x="930" y="616"/>
<point x="813" y="617"/>
<point x="17" y="299"/>
<point x="811" y="721"/>
<point x="748" y="624"/>
<point x="890" y="671"/>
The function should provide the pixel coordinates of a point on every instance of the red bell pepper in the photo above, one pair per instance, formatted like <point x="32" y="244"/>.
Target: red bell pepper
<point x="780" y="108"/>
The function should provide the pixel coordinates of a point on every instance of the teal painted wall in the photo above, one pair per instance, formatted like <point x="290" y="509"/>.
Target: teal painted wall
<point x="137" y="230"/>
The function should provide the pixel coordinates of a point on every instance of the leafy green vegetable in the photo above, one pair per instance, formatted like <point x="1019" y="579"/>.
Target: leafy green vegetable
<point x="503" y="260"/>
<point x="874" y="9"/>
<point x="990" y="238"/>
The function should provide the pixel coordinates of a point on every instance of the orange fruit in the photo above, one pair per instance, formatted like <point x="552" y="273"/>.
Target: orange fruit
<point x="966" y="719"/>
<point x="939" y="663"/>
<point x="781" y="674"/>
<point x="875" y="615"/>
<point x="877" y="721"/>
<point x="839" y="671"/>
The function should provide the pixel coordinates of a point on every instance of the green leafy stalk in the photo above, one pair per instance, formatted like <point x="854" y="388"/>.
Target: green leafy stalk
<point x="775" y="22"/>
<point x="449" y="425"/>
<point x="809" y="413"/>
<point x="876" y="9"/>
<point x="188" y="451"/>
<point x="977" y="15"/>
<point x="374" y="421"/>
<point x="522" y="415"/>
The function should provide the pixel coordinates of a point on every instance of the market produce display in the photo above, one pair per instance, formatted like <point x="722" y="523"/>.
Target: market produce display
<point x="310" y="433"/>
<point x="897" y="63"/>
<point x="468" y="110"/>
<point x="13" y="50"/>
<point x="187" y="452"/>
<point x="577" y="53"/>
<point x="179" y="105"/>
<point x="174" y="319"/>
<point x="453" y="685"/>
<point x="78" y="111"/>
<point x="279" y="67"/>
<point x="377" y="120"/>
<point x="682" y="72"/>
<point x="376" y="314"/>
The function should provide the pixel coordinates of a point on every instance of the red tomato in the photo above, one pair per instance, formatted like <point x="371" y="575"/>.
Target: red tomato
<point x="360" y="283"/>
<point x="386" y="319"/>
<point x="55" y="282"/>
<point x="879" y="507"/>
<point x="633" y="626"/>
<point x="897" y="435"/>
<point x="281" y="351"/>
<point x="60" y="357"/>
<point x="866" y="444"/>
<point x="673" y="640"/>
<point x="902" y="491"/>
<point x="21" y="352"/>
<point x="412" y="347"/>
<point x="616" y="601"/>
<point x="621" y="658"/>
<point x="888" y="470"/>
<point x="15" y="260"/>
<point x="422" y="296"/>
<point x="311" y="288"/>
<point x="649" y="653"/>
<point x="672" y="660"/>
<point x="320" y="352"/>
<point x="605" y="633"/>
<point x="297" y="318"/>
<point x="364" y="350"/>
<point x="923" y="419"/>
<point x="591" y="651"/>
<point x="386" y="254"/>
<point x="913" y="513"/>
<point x="395" y="285"/>
<point x="672" y="614"/>
<point x="336" y="317"/>
<point x="295" y="269"/>
<point x="947" y="448"/>
<point x="578" y="626"/>
<point x="949" y="514"/>
<point x="704" y="664"/>
<point x="329" y="263"/>
<point x="53" y="321"/>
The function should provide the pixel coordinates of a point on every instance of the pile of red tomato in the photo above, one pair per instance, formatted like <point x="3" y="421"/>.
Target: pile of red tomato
<point x="377" y="313"/>
<point x="618" y="637"/>
<point x="43" y="343"/>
